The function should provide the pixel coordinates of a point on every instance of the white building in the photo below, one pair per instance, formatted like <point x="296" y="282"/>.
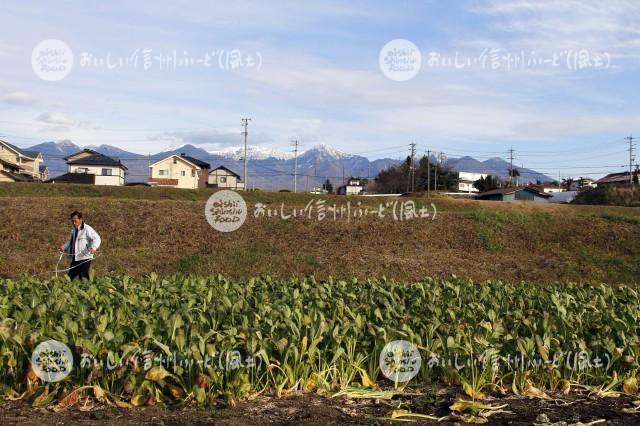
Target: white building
<point x="466" y="180"/>
<point x="581" y="182"/>
<point x="179" y="171"/>
<point x="354" y="186"/>
<point x="91" y="167"/>
<point x="222" y="177"/>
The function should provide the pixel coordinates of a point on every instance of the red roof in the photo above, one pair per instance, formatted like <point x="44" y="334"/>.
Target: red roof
<point x="161" y="181"/>
<point x="614" y="178"/>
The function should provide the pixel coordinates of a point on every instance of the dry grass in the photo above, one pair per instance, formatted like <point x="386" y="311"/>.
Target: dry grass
<point x="165" y="231"/>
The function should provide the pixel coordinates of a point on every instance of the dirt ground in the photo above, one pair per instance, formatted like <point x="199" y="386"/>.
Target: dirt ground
<point x="312" y="409"/>
<point x="545" y="244"/>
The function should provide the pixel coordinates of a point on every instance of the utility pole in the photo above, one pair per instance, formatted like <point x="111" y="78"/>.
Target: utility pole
<point x="315" y="171"/>
<point x="511" y="166"/>
<point x="435" y="177"/>
<point x="245" y="123"/>
<point x="630" y="139"/>
<point x="428" y="173"/>
<point x="295" y="167"/>
<point x="411" y="180"/>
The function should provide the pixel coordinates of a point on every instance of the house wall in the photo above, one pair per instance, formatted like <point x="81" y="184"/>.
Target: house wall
<point x="467" y="187"/>
<point x="536" y="198"/>
<point x="8" y="154"/>
<point x="466" y="180"/>
<point x="116" y="178"/>
<point x="231" y="180"/>
<point x="31" y="167"/>
<point x="189" y="180"/>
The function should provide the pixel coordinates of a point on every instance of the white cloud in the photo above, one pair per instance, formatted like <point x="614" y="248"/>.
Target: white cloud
<point x="55" y="118"/>
<point x="20" y="98"/>
<point x="553" y="25"/>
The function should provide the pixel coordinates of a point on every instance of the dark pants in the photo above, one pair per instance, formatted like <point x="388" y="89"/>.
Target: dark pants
<point x="79" y="269"/>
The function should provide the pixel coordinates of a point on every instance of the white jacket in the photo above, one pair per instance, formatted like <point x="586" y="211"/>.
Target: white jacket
<point x="86" y="240"/>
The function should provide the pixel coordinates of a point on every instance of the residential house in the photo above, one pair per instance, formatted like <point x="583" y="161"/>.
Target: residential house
<point x="179" y="171"/>
<point x="612" y="179"/>
<point x="222" y="177"/>
<point x="318" y="190"/>
<point x="17" y="164"/>
<point x="549" y="188"/>
<point x="581" y="182"/>
<point x="354" y="186"/>
<point x="519" y="193"/>
<point x="91" y="167"/>
<point x="466" y="180"/>
<point x="44" y="172"/>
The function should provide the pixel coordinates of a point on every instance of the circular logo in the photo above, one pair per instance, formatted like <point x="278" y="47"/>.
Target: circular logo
<point x="400" y="361"/>
<point x="52" y="361"/>
<point x="52" y="60"/>
<point x="226" y="210"/>
<point x="400" y="60"/>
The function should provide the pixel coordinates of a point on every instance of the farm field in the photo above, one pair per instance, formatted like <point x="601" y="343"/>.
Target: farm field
<point x="165" y="231"/>
<point x="516" y="310"/>
<point x="485" y="347"/>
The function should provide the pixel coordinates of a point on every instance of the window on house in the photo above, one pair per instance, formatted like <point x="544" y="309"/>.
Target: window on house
<point x="193" y="173"/>
<point x="82" y="170"/>
<point x="163" y="172"/>
<point x="183" y="173"/>
<point x="175" y="161"/>
<point x="106" y="172"/>
<point x="223" y="179"/>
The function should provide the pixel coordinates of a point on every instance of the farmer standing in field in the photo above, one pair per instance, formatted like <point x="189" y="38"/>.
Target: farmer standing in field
<point x="82" y="245"/>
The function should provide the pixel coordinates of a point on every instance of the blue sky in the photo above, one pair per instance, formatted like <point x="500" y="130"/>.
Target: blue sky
<point x="320" y="81"/>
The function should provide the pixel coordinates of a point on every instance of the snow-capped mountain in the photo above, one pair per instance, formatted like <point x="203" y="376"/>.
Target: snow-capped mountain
<point x="253" y="153"/>
<point x="270" y="168"/>
<point x="263" y="153"/>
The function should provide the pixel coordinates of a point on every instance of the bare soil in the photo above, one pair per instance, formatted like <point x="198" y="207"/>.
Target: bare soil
<point x="313" y="409"/>
<point x="476" y="240"/>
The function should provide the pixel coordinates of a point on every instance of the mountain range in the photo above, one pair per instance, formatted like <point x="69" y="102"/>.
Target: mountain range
<point x="270" y="169"/>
